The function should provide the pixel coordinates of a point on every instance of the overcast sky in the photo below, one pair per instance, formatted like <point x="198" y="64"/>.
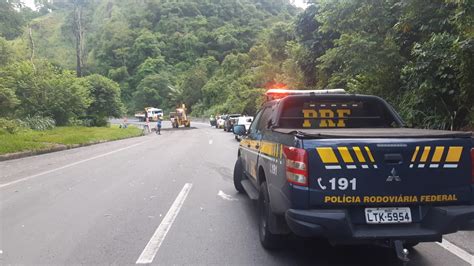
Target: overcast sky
<point x="299" y="3"/>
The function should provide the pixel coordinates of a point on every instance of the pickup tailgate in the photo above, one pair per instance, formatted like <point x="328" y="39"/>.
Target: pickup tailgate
<point x="389" y="172"/>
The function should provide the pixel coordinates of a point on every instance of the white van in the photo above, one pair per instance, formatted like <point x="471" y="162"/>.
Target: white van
<point x="246" y="121"/>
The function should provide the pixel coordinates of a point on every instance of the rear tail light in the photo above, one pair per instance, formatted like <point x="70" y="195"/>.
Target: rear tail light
<point x="296" y="165"/>
<point x="472" y="165"/>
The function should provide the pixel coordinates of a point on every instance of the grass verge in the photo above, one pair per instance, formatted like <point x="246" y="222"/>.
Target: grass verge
<point x="38" y="140"/>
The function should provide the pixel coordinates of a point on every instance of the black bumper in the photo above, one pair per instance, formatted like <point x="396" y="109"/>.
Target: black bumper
<point x="336" y="225"/>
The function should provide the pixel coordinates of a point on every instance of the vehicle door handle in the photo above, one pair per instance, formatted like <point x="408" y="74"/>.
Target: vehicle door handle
<point x="393" y="158"/>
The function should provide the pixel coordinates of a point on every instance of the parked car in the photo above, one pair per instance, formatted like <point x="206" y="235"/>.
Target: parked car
<point x="213" y="121"/>
<point x="220" y="121"/>
<point x="342" y="167"/>
<point x="246" y="121"/>
<point x="230" y="121"/>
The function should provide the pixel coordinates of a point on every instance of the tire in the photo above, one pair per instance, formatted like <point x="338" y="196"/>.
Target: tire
<point x="267" y="238"/>
<point x="238" y="176"/>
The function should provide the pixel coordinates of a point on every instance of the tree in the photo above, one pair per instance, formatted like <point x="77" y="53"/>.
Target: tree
<point x="79" y="31"/>
<point x="105" y="95"/>
<point x="8" y="100"/>
<point x="6" y="53"/>
<point x="11" y="20"/>
<point x="152" y="91"/>
<point x="435" y="96"/>
<point x="315" y="42"/>
<point x="278" y="36"/>
<point x="195" y="79"/>
<point x="42" y="90"/>
<point x="67" y="97"/>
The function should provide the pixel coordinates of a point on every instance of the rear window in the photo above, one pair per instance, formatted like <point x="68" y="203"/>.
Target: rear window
<point x="311" y="113"/>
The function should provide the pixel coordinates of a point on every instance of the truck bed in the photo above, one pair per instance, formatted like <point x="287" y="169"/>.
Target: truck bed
<point x="376" y="133"/>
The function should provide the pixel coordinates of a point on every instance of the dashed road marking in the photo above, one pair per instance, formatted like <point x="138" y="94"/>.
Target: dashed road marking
<point x="68" y="165"/>
<point x="148" y="254"/>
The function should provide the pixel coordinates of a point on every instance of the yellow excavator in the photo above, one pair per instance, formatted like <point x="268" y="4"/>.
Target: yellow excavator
<point x="179" y="117"/>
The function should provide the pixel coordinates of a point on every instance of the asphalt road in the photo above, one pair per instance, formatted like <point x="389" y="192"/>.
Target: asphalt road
<point x="167" y="198"/>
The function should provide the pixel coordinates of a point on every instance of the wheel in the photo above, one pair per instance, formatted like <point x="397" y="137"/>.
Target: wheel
<point x="238" y="176"/>
<point x="267" y="238"/>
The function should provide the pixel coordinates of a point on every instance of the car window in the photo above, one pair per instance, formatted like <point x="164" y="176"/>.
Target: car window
<point x="266" y="114"/>
<point x="253" y="126"/>
<point x="306" y="113"/>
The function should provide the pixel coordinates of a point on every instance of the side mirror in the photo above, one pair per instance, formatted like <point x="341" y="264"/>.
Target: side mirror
<point x="239" y="130"/>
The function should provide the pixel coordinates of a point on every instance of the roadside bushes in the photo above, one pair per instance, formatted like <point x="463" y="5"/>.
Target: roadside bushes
<point x="48" y="95"/>
<point x="90" y="121"/>
<point x="38" y="122"/>
<point x="9" y="126"/>
<point x="14" y="126"/>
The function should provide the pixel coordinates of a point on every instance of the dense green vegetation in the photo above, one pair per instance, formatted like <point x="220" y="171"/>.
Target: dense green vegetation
<point x="32" y="140"/>
<point x="220" y="56"/>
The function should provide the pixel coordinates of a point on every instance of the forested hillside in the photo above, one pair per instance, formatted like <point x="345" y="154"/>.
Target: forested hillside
<point x="219" y="56"/>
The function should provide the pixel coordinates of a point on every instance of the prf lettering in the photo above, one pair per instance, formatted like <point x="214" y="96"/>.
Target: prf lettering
<point x="326" y="116"/>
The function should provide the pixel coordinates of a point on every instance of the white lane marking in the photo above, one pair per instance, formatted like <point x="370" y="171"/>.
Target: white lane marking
<point x="210" y="141"/>
<point x="148" y="254"/>
<point x="225" y="196"/>
<point x="68" y="165"/>
<point x="351" y="166"/>
<point x="461" y="253"/>
<point x="434" y="165"/>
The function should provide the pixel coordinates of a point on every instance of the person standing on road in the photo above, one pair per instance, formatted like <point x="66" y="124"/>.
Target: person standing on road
<point x="125" y="122"/>
<point x="146" y="127"/>
<point x="158" y="125"/>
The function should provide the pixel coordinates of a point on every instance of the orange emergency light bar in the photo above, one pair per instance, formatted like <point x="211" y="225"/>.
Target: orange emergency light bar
<point x="274" y="94"/>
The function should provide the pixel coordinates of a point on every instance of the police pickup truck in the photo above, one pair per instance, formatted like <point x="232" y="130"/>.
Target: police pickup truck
<point x="342" y="167"/>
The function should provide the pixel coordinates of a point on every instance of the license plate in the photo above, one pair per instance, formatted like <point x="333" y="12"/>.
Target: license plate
<point x="387" y="215"/>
